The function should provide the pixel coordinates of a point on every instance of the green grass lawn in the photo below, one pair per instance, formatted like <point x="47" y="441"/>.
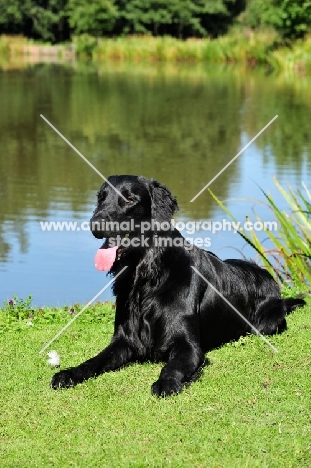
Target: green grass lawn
<point x="250" y="408"/>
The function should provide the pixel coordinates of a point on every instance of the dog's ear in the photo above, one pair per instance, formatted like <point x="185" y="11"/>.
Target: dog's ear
<point x="163" y="204"/>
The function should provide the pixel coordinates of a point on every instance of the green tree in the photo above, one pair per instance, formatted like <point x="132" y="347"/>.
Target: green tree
<point x="186" y="17"/>
<point x="39" y="19"/>
<point x="144" y="16"/>
<point x="179" y="18"/>
<point x="49" y="20"/>
<point x="292" y="18"/>
<point x="11" y="16"/>
<point x="97" y="17"/>
<point x="218" y="15"/>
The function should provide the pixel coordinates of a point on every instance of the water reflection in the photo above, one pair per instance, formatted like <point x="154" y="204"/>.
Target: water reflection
<point x="180" y="125"/>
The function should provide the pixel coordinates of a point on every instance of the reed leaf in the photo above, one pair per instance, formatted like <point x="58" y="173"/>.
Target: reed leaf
<point x="289" y="258"/>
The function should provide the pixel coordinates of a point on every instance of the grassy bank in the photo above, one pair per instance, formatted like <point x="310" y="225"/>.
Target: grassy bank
<point x="249" y="47"/>
<point x="249" y="408"/>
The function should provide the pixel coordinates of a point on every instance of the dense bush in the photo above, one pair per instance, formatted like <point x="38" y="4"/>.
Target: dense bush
<point x="39" y="19"/>
<point x="54" y="20"/>
<point x="57" y="20"/>
<point x="96" y="18"/>
<point x="291" y="18"/>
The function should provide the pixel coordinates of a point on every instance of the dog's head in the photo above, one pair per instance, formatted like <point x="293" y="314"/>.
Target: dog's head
<point x="128" y="200"/>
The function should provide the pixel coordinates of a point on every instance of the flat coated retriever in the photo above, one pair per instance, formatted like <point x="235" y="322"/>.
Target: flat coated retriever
<point x="164" y="310"/>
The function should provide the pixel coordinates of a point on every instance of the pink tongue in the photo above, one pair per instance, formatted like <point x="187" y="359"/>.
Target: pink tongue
<point x="105" y="258"/>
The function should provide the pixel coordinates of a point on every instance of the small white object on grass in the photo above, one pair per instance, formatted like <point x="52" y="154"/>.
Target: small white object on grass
<point x="54" y="358"/>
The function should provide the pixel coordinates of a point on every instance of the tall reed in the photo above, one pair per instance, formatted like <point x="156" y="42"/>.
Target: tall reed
<point x="289" y="258"/>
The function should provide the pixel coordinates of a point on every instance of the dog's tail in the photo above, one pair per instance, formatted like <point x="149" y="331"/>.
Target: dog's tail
<point x="292" y="303"/>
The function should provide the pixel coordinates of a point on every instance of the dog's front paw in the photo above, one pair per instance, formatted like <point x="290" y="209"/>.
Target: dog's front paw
<point x="64" y="379"/>
<point x="166" y="387"/>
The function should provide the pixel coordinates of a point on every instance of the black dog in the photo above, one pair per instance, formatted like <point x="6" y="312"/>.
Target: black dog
<point x="165" y="311"/>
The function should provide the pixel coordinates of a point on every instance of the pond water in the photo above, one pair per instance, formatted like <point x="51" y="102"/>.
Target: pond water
<point x="178" y="124"/>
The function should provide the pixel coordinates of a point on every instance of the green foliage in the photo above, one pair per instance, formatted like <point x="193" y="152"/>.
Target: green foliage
<point x="96" y="18"/>
<point x="292" y="18"/>
<point x="18" y="313"/>
<point x="178" y="18"/>
<point x="85" y="44"/>
<point x="289" y="258"/>
<point x="174" y="17"/>
<point x="39" y="19"/>
<point x="18" y="309"/>
<point x="218" y="15"/>
<point x="257" y="13"/>
<point x="50" y="20"/>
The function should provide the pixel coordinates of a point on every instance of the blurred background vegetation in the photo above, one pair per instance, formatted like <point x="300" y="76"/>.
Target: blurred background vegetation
<point x="59" y="20"/>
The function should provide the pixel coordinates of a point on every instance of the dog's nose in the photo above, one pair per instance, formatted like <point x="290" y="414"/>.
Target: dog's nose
<point x="94" y="225"/>
<point x="96" y="229"/>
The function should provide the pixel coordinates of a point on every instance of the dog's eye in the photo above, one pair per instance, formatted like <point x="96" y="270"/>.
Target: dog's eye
<point x="101" y="197"/>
